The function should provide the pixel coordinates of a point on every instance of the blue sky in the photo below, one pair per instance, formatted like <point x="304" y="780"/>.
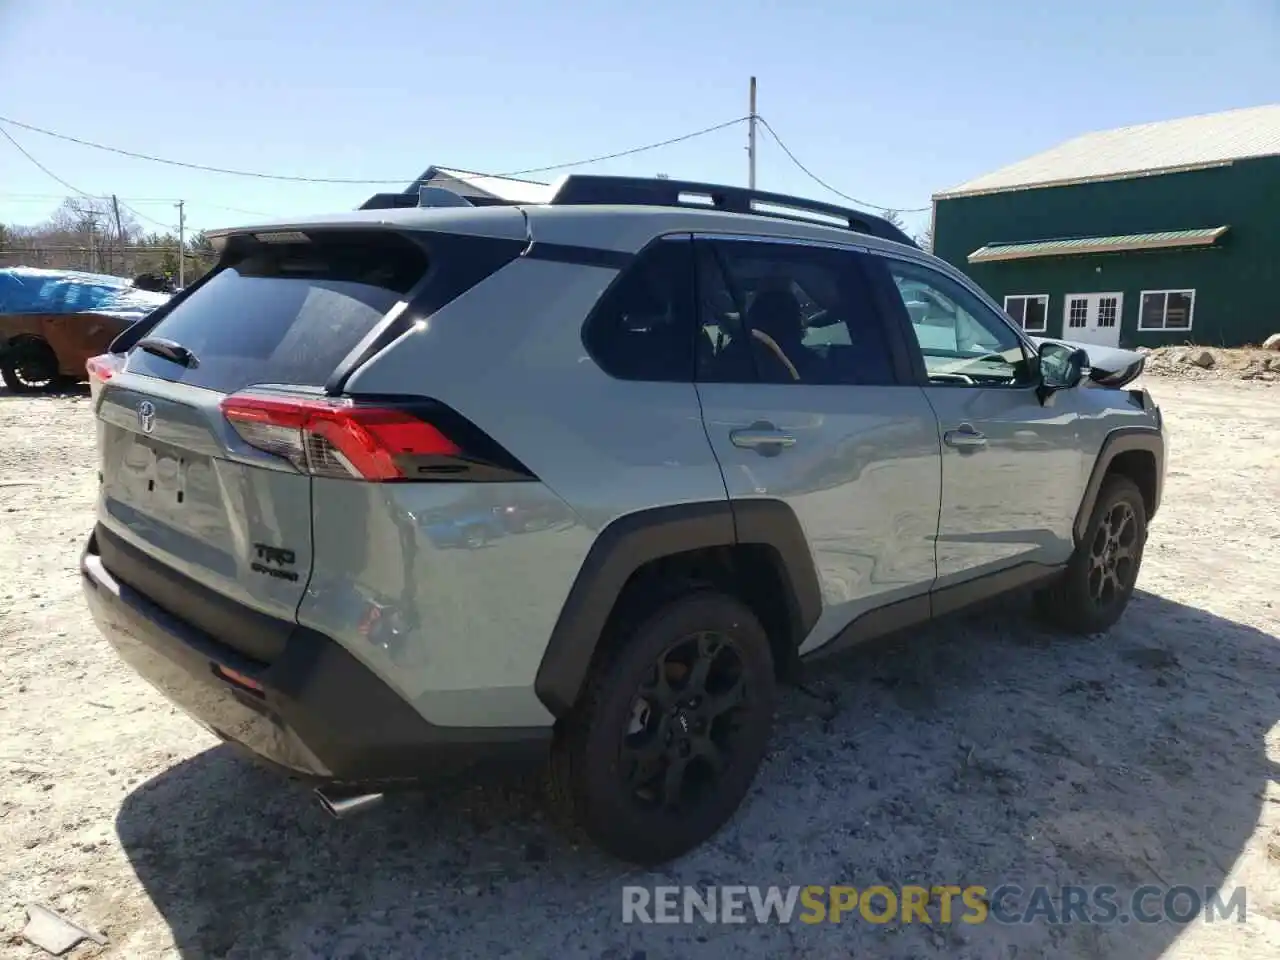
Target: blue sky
<point x="887" y="102"/>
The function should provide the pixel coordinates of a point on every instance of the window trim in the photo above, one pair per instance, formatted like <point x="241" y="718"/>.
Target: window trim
<point x="1164" y="314"/>
<point x="1030" y="296"/>
<point x="917" y="353"/>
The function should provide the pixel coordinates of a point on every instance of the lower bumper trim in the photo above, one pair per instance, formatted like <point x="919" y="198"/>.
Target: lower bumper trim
<point x="318" y="712"/>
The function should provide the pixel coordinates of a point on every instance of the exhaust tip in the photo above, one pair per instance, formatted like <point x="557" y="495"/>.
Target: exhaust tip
<point x="342" y="806"/>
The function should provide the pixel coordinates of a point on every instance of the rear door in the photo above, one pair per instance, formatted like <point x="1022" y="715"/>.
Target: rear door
<point x="818" y="412"/>
<point x="190" y="514"/>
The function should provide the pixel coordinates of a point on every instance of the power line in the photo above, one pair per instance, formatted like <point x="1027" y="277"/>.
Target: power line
<point x="622" y="153"/>
<point x="353" y="180"/>
<point x="74" y="189"/>
<point x="822" y="183"/>
<point x="47" y="197"/>
<point x="142" y="216"/>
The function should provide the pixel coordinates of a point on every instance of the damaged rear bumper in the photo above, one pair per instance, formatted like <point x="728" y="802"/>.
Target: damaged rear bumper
<point x="316" y="712"/>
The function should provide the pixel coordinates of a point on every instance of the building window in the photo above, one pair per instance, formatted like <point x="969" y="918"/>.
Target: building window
<point x="1166" y="309"/>
<point x="1108" y="308"/>
<point x="1030" y="310"/>
<point x="1077" y="312"/>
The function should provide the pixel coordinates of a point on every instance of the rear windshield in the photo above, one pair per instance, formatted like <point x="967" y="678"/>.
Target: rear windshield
<point x="286" y="313"/>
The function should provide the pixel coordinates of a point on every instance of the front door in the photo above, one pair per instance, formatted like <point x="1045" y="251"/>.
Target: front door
<point x="803" y="401"/>
<point x="1092" y="318"/>
<point x="1012" y="474"/>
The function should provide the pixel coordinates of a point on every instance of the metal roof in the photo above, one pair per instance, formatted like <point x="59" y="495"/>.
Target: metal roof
<point x="1165" y="147"/>
<point x="995" y="252"/>
<point x="507" y="189"/>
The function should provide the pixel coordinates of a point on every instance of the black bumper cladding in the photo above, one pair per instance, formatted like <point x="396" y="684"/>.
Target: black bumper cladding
<point x="317" y="712"/>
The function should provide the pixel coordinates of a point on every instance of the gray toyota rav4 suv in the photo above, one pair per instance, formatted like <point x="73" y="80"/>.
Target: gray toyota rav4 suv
<point x="402" y="492"/>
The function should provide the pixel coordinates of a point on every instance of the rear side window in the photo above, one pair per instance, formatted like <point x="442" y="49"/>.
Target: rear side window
<point x="642" y="328"/>
<point x="789" y="313"/>
<point x="286" y="313"/>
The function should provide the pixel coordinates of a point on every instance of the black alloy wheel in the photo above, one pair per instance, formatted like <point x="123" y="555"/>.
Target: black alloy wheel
<point x="684" y="722"/>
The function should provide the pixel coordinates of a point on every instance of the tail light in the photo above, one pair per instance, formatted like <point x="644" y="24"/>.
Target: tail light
<point x="347" y="440"/>
<point x="101" y="369"/>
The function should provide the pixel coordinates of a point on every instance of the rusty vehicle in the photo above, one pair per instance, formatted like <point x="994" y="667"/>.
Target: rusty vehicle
<point x="52" y="321"/>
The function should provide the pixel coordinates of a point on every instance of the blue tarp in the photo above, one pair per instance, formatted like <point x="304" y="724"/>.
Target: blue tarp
<point x="33" y="290"/>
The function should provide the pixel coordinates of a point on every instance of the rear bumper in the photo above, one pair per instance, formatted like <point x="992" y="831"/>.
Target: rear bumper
<point x="316" y="711"/>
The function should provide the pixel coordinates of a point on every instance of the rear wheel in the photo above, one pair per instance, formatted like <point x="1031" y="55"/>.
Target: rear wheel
<point x="30" y="366"/>
<point x="1103" y="571"/>
<point x="670" y="732"/>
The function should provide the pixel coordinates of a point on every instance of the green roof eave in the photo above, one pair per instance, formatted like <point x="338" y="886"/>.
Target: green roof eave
<point x="996" y="252"/>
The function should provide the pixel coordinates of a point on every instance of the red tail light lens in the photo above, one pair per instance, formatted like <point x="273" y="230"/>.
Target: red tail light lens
<point x="101" y="369"/>
<point x="342" y="439"/>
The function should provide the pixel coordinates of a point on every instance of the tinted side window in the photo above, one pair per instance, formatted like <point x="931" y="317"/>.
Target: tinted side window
<point x="964" y="342"/>
<point x="790" y="313"/>
<point x="642" y="328"/>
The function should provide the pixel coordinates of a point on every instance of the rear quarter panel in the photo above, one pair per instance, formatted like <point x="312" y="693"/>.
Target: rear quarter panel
<point x="508" y="355"/>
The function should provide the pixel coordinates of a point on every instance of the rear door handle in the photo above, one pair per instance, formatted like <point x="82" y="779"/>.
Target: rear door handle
<point x="966" y="438"/>
<point x="753" y="438"/>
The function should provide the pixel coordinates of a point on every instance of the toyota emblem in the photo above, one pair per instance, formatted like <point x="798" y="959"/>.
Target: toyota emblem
<point x="147" y="416"/>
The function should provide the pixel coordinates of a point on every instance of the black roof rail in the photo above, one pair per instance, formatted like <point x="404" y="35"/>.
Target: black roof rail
<point x="653" y="191"/>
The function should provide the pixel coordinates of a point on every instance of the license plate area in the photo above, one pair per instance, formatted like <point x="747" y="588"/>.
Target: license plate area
<point x="156" y="475"/>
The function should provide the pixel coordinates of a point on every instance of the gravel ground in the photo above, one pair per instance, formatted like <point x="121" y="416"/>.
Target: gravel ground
<point x="980" y="752"/>
<point x="1192" y="362"/>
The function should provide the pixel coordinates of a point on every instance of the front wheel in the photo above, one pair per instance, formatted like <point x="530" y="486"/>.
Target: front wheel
<point x="1103" y="571"/>
<point x="30" y="367"/>
<point x="670" y="732"/>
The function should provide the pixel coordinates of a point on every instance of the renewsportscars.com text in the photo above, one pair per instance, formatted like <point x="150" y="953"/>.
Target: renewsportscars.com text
<point x="944" y="903"/>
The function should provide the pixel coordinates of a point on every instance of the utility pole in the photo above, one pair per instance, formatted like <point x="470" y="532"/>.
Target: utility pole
<point x="91" y="222"/>
<point x="751" y="138"/>
<point x="182" y="244"/>
<point x="115" y="206"/>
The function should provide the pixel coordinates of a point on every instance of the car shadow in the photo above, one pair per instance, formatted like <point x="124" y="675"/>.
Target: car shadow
<point x="981" y="751"/>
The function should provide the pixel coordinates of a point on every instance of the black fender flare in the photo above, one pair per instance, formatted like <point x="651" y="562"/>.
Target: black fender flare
<point x="1121" y="440"/>
<point x="633" y="540"/>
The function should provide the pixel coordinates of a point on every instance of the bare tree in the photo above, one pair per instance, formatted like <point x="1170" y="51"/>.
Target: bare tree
<point x="894" y="217"/>
<point x="924" y="239"/>
<point x="90" y="223"/>
<point x="201" y="247"/>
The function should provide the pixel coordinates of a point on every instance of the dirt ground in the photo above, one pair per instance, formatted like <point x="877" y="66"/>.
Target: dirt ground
<point x="979" y="752"/>
<point x="1215" y="363"/>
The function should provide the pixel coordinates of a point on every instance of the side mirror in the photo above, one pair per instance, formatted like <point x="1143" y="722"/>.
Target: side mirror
<point x="1061" y="368"/>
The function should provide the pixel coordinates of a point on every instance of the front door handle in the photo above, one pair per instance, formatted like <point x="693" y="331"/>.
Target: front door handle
<point x="966" y="438"/>
<point x="753" y="438"/>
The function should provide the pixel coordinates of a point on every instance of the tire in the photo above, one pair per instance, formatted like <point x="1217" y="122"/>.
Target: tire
<point x="1101" y="575"/>
<point x="616" y="752"/>
<point x="30" y="367"/>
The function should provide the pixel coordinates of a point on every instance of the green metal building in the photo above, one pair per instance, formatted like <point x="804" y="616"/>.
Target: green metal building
<point x="1150" y="235"/>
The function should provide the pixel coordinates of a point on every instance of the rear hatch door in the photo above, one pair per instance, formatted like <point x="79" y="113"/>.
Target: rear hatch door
<point x="208" y="527"/>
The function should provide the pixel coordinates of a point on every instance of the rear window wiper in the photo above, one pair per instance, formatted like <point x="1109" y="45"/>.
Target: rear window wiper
<point x="169" y="349"/>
